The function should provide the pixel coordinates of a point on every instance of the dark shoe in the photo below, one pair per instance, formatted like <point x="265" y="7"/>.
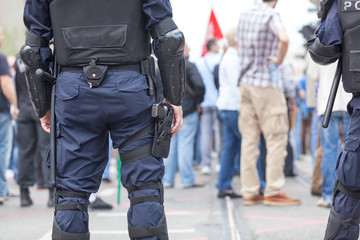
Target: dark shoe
<point x="195" y="185"/>
<point x="107" y="180"/>
<point x="25" y="199"/>
<point x="99" y="204"/>
<point x="316" y="193"/>
<point x="258" y="199"/>
<point x="281" y="199"/>
<point x="223" y="194"/>
<point x="2" y="200"/>
<point x="291" y="174"/>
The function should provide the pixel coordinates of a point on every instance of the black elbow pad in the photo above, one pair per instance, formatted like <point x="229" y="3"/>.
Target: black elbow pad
<point x="322" y="54"/>
<point x="171" y="60"/>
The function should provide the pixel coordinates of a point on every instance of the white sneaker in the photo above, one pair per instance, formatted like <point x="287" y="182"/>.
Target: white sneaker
<point x="323" y="203"/>
<point x="2" y="200"/>
<point x="206" y="170"/>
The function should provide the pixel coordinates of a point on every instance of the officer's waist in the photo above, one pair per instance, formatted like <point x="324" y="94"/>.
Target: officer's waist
<point x="111" y="68"/>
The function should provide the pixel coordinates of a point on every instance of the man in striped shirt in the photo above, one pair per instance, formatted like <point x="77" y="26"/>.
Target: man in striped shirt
<point x="263" y="43"/>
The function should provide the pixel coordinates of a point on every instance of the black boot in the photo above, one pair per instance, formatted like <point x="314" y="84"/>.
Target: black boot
<point x="51" y="202"/>
<point x="25" y="199"/>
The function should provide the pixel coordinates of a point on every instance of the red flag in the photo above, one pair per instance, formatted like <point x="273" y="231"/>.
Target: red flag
<point x="213" y="31"/>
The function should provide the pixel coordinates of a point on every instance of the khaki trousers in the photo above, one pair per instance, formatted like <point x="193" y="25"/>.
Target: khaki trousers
<point x="263" y="110"/>
<point x="316" y="181"/>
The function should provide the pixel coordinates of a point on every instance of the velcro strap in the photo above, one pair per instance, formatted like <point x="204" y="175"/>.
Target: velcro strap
<point x="136" y="154"/>
<point x="138" y="135"/>
<point x="71" y="206"/>
<point x="137" y="200"/>
<point x="65" y="193"/>
<point x="164" y="26"/>
<point x="341" y="188"/>
<point x="347" y="223"/>
<point x="135" y="187"/>
<point x="139" y="232"/>
<point x="34" y="40"/>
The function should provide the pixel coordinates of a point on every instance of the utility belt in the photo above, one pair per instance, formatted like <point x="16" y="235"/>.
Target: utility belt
<point x="95" y="73"/>
<point x="111" y="68"/>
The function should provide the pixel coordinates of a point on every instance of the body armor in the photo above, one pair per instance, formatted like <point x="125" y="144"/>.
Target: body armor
<point x="110" y="32"/>
<point x="349" y="16"/>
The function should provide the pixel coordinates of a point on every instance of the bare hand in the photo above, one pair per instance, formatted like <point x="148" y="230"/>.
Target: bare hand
<point x="273" y="59"/>
<point x="15" y="113"/>
<point x="178" y="118"/>
<point x="45" y="122"/>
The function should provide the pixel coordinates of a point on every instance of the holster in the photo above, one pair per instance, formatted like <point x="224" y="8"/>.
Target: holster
<point x="163" y="113"/>
<point x="38" y="82"/>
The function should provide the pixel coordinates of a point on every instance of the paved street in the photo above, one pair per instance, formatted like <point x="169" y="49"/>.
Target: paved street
<point x="192" y="214"/>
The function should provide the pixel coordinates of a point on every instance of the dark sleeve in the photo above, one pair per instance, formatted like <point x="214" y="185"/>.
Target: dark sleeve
<point x="4" y="67"/>
<point x="37" y="18"/>
<point x="330" y="31"/>
<point x="195" y="81"/>
<point x="156" y="10"/>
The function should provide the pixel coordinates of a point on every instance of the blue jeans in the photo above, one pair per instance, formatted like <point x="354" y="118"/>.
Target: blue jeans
<point x="181" y="153"/>
<point x="331" y="149"/>
<point x="209" y="124"/>
<point x="5" y="136"/>
<point x="261" y="163"/>
<point x="14" y="156"/>
<point x="314" y="134"/>
<point x="106" y="173"/>
<point x="231" y="150"/>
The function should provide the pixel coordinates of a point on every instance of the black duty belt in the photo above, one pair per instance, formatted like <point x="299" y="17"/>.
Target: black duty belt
<point x="111" y="68"/>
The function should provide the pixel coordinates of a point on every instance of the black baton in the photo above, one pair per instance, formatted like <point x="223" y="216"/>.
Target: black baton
<point x="53" y="131"/>
<point x="332" y="95"/>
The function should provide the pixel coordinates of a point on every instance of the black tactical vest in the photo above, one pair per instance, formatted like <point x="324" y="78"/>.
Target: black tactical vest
<point x="110" y="31"/>
<point x="349" y="16"/>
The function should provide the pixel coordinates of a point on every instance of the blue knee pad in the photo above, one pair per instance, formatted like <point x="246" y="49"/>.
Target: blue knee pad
<point x="150" y="197"/>
<point x="338" y="226"/>
<point x="71" y="218"/>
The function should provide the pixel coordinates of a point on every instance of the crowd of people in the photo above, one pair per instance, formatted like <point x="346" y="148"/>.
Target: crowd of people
<point x="244" y="114"/>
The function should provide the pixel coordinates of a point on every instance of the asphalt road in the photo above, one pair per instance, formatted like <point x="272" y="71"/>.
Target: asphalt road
<point x="192" y="214"/>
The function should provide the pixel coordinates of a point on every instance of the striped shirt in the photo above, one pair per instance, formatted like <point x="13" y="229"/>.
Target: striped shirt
<point x="257" y="37"/>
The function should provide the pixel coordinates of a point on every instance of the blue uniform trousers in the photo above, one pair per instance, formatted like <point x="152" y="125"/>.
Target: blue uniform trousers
<point x="84" y="118"/>
<point x="348" y="174"/>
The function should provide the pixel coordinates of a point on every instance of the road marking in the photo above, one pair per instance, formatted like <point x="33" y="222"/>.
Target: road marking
<point x="120" y="232"/>
<point x="47" y="235"/>
<point x="299" y="222"/>
<point x="230" y="217"/>
<point x="168" y="213"/>
<point x="108" y="192"/>
<point x="26" y="214"/>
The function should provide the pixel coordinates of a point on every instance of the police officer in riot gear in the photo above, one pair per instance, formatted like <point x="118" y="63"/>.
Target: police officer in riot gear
<point x="105" y="84"/>
<point x="338" y="38"/>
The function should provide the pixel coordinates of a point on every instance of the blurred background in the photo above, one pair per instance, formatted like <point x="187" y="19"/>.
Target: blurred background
<point x="192" y="17"/>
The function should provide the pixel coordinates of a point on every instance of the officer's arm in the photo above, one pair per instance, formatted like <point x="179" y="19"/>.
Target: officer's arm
<point x="168" y="47"/>
<point x="36" y="53"/>
<point x="37" y="20"/>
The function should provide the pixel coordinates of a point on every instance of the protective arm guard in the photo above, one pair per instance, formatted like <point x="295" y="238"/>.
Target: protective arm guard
<point x="169" y="49"/>
<point x="38" y="81"/>
<point x="322" y="54"/>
